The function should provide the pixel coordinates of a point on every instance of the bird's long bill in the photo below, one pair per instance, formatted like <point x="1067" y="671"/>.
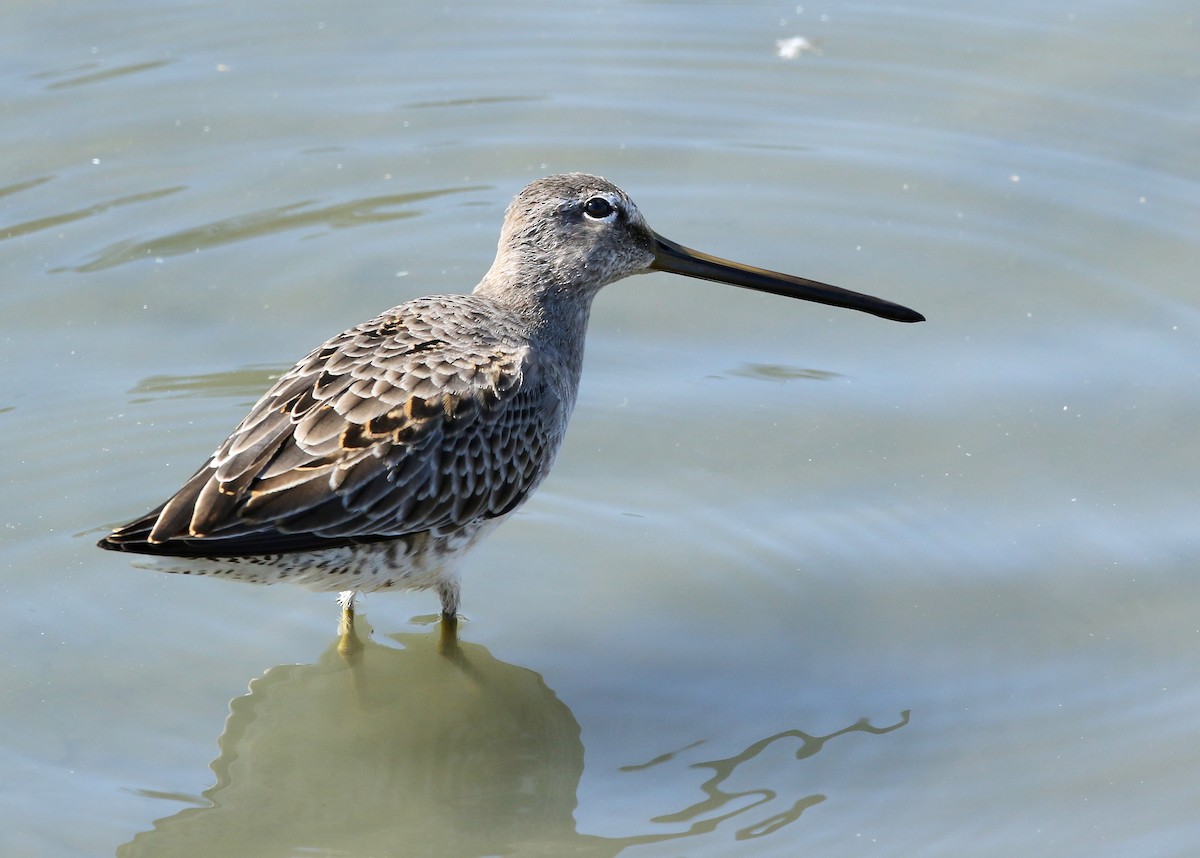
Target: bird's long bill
<point x="669" y="256"/>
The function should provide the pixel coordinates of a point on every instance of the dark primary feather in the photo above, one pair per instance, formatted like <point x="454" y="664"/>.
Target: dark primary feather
<point x="419" y="419"/>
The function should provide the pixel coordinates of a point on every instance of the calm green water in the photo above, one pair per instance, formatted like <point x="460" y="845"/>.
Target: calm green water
<point x="803" y="581"/>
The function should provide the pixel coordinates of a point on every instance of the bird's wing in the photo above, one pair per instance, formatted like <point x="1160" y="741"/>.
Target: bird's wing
<point x="394" y="427"/>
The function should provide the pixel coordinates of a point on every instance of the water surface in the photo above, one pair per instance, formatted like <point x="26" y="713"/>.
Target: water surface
<point x="803" y="581"/>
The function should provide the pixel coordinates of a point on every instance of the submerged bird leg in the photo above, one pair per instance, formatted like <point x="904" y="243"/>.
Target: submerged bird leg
<point x="448" y="642"/>
<point x="448" y="638"/>
<point x="347" y="640"/>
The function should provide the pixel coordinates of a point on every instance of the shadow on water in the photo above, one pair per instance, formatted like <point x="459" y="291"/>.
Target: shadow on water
<point x="385" y="750"/>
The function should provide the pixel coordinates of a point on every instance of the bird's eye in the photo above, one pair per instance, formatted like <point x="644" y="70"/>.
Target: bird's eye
<point x="598" y="208"/>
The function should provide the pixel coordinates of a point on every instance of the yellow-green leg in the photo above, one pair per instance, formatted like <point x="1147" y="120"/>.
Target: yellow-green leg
<point x="348" y="642"/>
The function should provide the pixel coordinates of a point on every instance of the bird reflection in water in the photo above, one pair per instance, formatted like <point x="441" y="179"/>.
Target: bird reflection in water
<point x="397" y="749"/>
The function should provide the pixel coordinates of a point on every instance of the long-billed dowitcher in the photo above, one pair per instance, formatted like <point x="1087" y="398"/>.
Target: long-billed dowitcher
<point x="389" y="450"/>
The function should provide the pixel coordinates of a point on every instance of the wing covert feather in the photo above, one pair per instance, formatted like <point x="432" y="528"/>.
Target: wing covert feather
<point x="406" y="423"/>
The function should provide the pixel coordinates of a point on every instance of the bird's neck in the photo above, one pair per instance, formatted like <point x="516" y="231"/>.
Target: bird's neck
<point x="553" y="310"/>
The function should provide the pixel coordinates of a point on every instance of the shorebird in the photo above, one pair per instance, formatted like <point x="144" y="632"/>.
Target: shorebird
<point x="393" y="447"/>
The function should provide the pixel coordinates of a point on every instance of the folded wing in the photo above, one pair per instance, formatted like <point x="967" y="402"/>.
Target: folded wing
<point x="394" y="427"/>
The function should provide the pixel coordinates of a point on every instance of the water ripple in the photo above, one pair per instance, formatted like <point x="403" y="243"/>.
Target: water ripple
<point x="277" y="219"/>
<point x="51" y="221"/>
<point x="102" y="74"/>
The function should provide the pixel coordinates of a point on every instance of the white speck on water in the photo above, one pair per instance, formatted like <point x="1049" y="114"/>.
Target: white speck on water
<point x="791" y="48"/>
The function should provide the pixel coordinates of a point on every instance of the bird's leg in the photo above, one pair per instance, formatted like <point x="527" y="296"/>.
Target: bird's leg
<point x="448" y="593"/>
<point x="346" y="600"/>
<point x="448" y="640"/>
<point x="347" y="640"/>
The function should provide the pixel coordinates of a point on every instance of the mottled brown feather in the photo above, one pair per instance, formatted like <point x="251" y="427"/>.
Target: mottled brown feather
<point x="385" y="430"/>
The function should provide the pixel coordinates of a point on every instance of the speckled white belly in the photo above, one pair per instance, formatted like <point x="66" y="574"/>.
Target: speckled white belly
<point x="413" y="562"/>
